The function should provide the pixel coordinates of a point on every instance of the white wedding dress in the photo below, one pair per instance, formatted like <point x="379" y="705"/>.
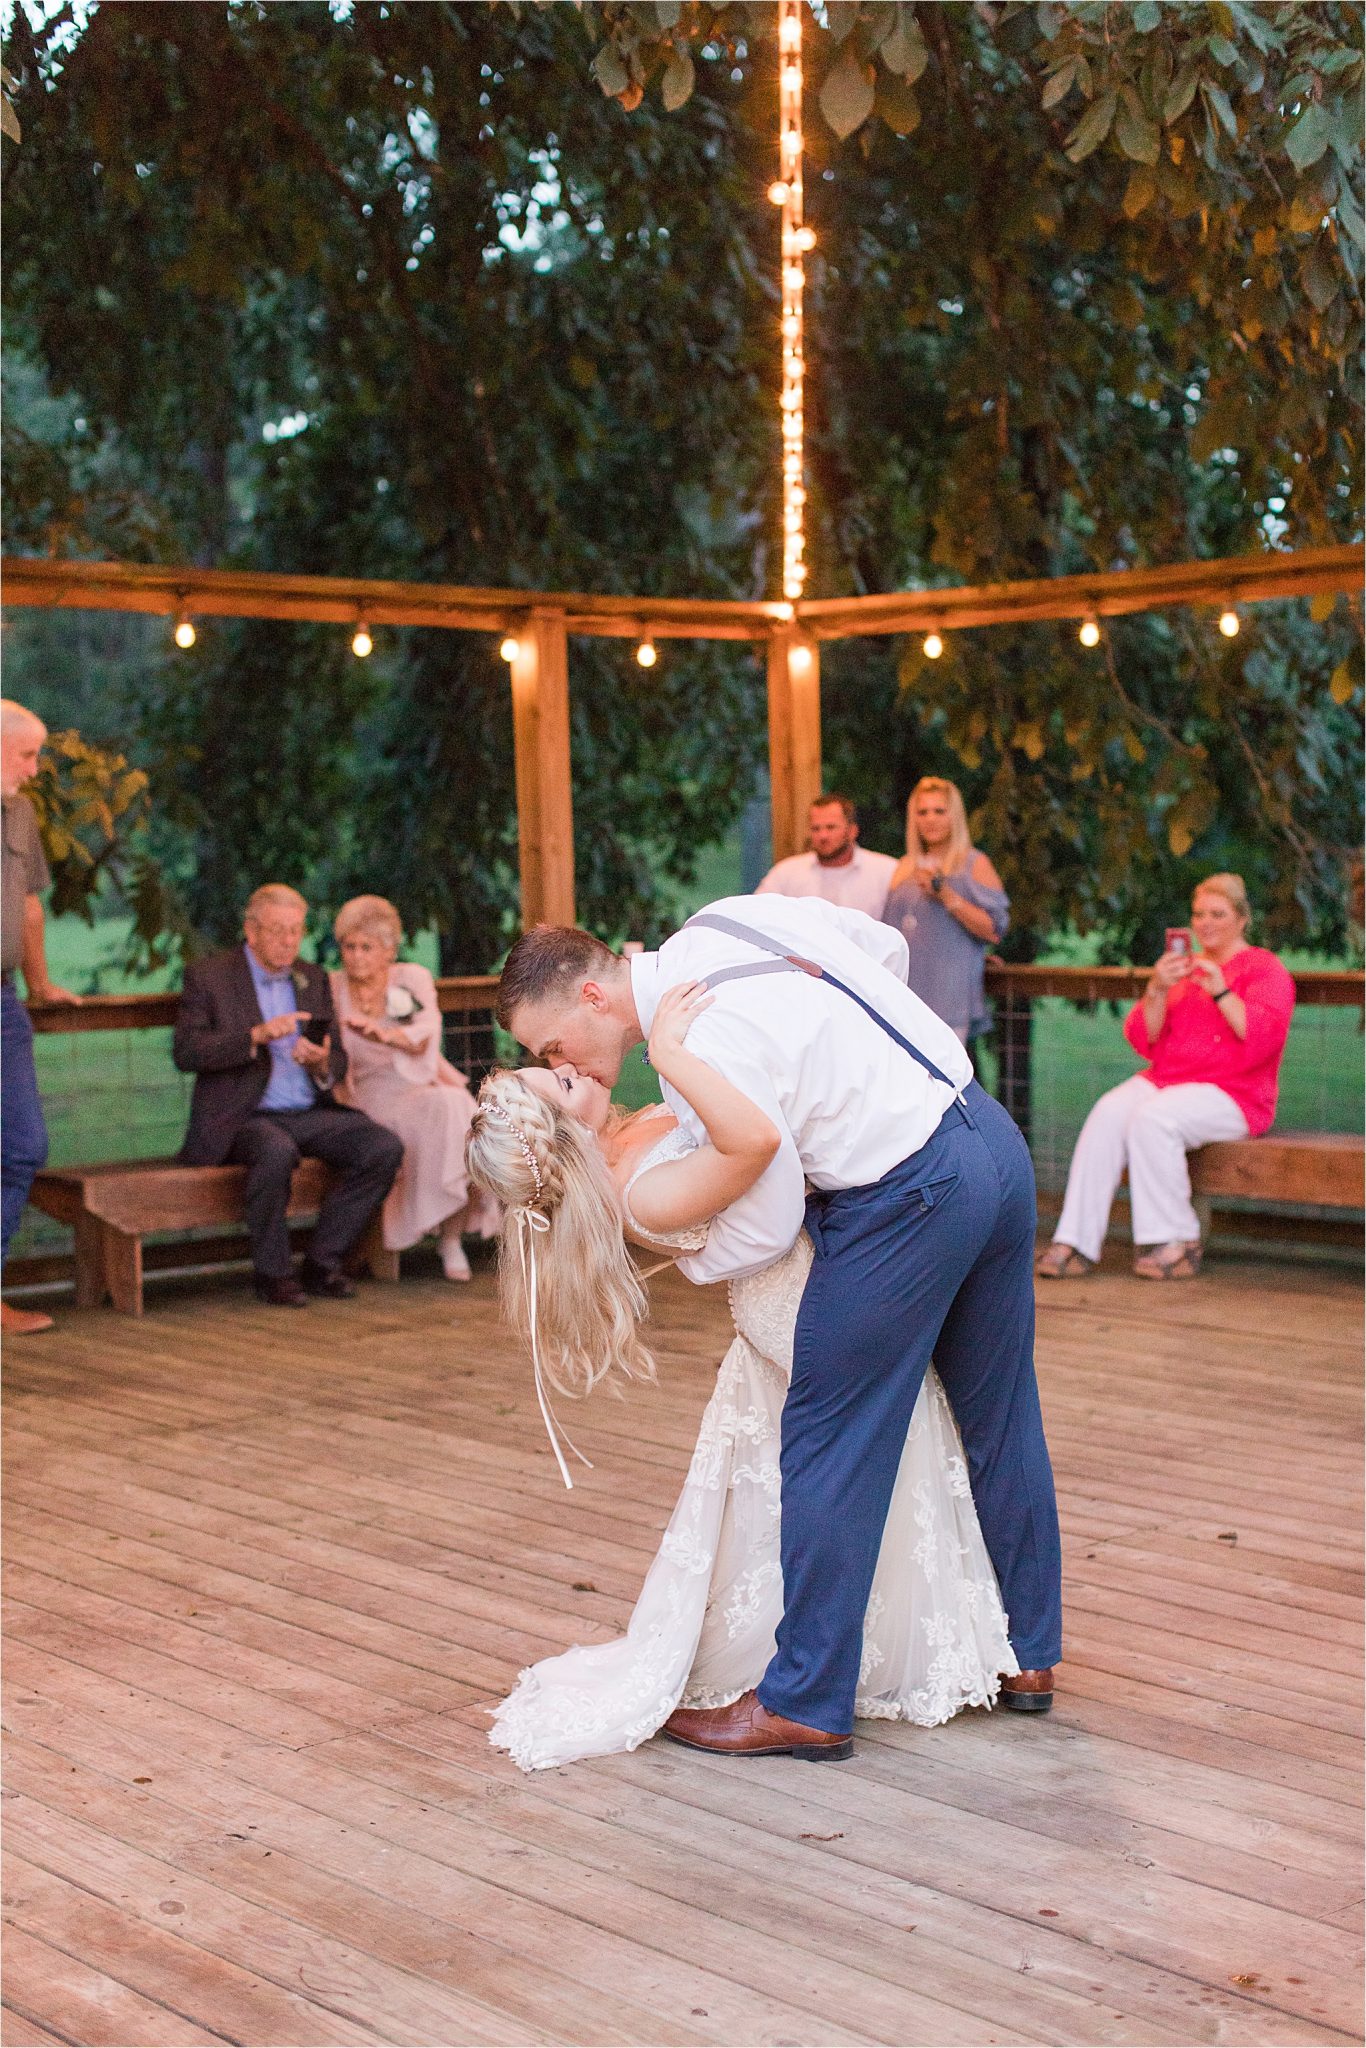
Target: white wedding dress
<point x="702" y="1631"/>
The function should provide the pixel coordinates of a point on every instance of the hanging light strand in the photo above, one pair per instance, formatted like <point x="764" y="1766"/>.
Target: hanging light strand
<point x="797" y="238"/>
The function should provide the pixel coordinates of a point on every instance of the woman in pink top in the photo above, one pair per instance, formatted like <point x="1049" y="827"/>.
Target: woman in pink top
<point x="1212" y="1026"/>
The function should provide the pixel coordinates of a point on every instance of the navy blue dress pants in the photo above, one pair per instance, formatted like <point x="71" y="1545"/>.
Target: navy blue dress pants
<point x="935" y="1261"/>
<point x="23" y="1133"/>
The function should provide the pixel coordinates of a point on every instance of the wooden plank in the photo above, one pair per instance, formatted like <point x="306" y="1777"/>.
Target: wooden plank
<point x="80" y="2002"/>
<point x="1329" y="1169"/>
<point x="456" y="994"/>
<point x="1236" y="579"/>
<point x="280" y="1572"/>
<point x="540" y="735"/>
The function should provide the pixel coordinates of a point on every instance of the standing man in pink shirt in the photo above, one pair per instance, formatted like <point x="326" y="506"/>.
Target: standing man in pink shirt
<point x="1212" y="1026"/>
<point x="837" y="868"/>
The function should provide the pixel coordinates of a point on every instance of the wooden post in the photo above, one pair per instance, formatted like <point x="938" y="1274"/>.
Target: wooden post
<point x="794" y="736"/>
<point x="540" y="734"/>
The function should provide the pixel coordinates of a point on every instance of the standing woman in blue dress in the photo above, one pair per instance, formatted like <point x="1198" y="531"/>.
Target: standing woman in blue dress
<point x="948" y="903"/>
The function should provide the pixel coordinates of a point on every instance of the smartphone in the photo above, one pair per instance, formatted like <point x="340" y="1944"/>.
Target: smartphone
<point x="314" y="1029"/>
<point x="1179" y="940"/>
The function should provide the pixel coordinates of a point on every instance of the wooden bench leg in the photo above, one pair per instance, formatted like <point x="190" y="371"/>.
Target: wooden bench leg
<point x="383" y="1264"/>
<point x="123" y="1270"/>
<point x="90" y="1280"/>
<point x="1204" y="1210"/>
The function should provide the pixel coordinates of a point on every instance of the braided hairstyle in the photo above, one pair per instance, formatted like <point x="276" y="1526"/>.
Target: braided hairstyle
<point x="539" y="1161"/>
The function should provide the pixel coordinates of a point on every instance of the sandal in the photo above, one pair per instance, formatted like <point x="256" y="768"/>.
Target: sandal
<point x="1063" y="1262"/>
<point x="1170" y="1262"/>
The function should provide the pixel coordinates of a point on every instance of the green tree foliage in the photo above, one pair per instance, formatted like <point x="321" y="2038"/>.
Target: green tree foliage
<point x="1090" y="300"/>
<point x="93" y="812"/>
<point x="404" y="291"/>
<point x="436" y="312"/>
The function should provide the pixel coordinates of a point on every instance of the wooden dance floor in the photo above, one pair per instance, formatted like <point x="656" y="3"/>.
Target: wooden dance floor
<point x="267" y="1570"/>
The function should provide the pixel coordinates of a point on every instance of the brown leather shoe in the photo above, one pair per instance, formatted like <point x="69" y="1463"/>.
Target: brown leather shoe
<point x="284" y="1292"/>
<point x="22" y="1322"/>
<point x="747" y="1729"/>
<point x="1028" y="1692"/>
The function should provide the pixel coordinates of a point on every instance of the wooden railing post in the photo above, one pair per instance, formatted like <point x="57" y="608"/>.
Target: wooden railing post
<point x="540" y="734"/>
<point x="794" y="736"/>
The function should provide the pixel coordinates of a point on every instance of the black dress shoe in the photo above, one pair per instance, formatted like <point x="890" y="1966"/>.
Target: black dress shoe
<point x="326" y="1280"/>
<point x="283" y="1293"/>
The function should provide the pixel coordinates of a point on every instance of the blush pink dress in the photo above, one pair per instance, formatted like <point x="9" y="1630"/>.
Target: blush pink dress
<point x="425" y="1102"/>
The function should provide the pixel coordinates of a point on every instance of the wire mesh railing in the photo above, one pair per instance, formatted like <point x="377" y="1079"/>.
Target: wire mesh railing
<point x="110" y="1090"/>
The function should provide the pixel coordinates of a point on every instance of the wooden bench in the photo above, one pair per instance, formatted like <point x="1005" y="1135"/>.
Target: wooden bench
<point x="112" y="1208"/>
<point x="1321" y="1168"/>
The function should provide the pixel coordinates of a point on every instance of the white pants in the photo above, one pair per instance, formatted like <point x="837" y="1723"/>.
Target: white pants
<point x="1149" y="1130"/>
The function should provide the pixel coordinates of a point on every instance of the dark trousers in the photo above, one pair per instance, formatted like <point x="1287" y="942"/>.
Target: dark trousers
<point x="935" y="1260"/>
<point x="364" y="1157"/>
<point x="23" y="1133"/>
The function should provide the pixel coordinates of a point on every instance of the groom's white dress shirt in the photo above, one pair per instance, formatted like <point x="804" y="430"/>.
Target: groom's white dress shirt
<point x="847" y="1102"/>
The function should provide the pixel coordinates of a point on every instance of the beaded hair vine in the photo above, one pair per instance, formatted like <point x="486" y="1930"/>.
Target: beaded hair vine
<point x="497" y="1111"/>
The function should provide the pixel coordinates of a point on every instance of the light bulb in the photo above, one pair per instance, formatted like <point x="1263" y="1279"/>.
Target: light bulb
<point x="792" y="142"/>
<point x="792" y="78"/>
<point x="510" y="648"/>
<point x="784" y="611"/>
<point x="647" y="654"/>
<point x="790" y="33"/>
<point x="1229" y="622"/>
<point x="794" y="277"/>
<point x="933" y="647"/>
<point x="778" y="192"/>
<point x="185" y="635"/>
<point x="1089" y="634"/>
<point x="806" y="238"/>
<point x="361" y="643"/>
<point x="799" y="660"/>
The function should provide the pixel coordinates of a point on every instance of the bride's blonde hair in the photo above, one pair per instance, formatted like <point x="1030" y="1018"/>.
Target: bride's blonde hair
<point x="547" y="1170"/>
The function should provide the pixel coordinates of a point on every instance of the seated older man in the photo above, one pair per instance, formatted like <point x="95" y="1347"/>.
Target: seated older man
<point x="255" y="1028"/>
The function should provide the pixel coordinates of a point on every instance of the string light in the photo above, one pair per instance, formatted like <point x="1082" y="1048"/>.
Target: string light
<point x="1089" y="635"/>
<point x="786" y="191"/>
<point x="933" y="647"/>
<point x="647" y="654"/>
<point x="361" y="643"/>
<point x="185" y="635"/>
<point x="510" y="648"/>
<point x="1229" y="623"/>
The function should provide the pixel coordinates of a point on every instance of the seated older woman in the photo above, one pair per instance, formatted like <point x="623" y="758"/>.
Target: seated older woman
<point x="1213" y="1026"/>
<point x="391" y="1028"/>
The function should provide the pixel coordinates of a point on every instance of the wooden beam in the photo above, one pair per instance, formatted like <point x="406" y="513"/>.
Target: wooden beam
<point x="794" y="736"/>
<point x="341" y="600"/>
<point x="1237" y="579"/>
<point x="540" y="731"/>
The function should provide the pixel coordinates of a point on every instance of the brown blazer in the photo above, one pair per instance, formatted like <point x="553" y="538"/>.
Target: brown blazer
<point x="218" y="1008"/>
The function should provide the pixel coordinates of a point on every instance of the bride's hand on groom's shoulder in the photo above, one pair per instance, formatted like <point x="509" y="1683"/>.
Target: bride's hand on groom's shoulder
<point x="678" y="1009"/>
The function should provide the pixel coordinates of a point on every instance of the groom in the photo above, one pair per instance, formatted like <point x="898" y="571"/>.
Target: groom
<point x="921" y="1211"/>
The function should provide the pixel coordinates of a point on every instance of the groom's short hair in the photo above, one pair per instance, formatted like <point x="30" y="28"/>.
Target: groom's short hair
<point x="549" y="962"/>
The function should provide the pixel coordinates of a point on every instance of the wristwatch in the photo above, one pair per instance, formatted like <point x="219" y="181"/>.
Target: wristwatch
<point x="937" y="884"/>
<point x="1221" y="993"/>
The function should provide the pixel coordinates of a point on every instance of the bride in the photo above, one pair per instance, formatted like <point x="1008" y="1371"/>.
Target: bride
<point x="573" y="1176"/>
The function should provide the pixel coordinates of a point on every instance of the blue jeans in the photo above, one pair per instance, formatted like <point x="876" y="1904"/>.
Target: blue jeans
<point x="23" y="1134"/>
<point x="935" y="1260"/>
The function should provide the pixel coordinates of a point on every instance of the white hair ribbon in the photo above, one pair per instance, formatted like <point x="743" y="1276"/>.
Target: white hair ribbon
<point x="530" y="1222"/>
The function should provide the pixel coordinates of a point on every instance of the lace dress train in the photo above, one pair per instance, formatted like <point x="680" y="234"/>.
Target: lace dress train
<point x="703" y="1629"/>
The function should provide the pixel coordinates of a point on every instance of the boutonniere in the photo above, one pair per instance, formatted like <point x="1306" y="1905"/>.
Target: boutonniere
<point x="400" y="1004"/>
<point x="300" y="981"/>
